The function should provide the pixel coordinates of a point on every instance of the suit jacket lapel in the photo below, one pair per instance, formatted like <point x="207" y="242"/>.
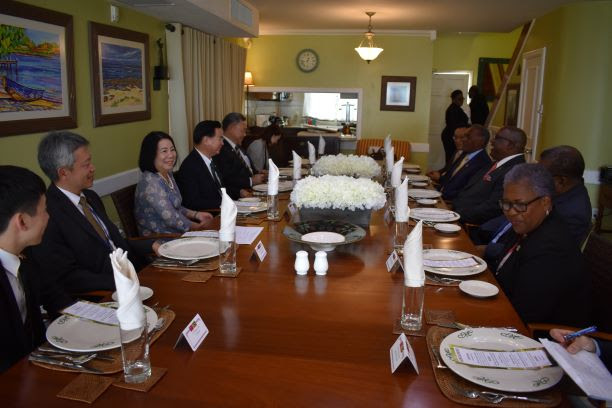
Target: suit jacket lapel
<point x="15" y="314"/>
<point x="204" y="169"/>
<point x="71" y="212"/>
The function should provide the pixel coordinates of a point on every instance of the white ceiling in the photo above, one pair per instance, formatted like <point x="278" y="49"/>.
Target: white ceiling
<point x="297" y="16"/>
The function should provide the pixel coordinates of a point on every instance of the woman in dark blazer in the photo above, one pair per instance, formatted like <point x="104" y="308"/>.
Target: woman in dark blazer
<point x="541" y="270"/>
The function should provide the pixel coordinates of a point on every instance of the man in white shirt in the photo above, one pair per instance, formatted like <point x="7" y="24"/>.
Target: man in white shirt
<point x="79" y="238"/>
<point x="233" y="162"/>
<point x="198" y="178"/>
<point x="478" y="201"/>
<point x="23" y="218"/>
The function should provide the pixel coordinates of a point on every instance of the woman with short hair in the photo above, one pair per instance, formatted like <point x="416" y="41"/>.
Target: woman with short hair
<point x="157" y="201"/>
<point x="258" y="150"/>
<point x="541" y="270"/>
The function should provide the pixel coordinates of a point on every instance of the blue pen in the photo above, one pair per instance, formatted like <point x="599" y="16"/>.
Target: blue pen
<point x="572" y="336"/>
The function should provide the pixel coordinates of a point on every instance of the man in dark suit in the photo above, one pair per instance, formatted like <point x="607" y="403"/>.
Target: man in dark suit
<point x="79" y="237"/>
<point x="473" y="159"/>
<point x="233" y="162"/>
<point x="479" y="110"/>
<point x="23" y="219"/>
<point x="478" y="201"/>
<point x="198" y="179"/>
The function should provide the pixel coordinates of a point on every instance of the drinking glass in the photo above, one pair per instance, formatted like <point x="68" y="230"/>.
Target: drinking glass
<point x="273" y="213"/>
<point x="227" y="257"/>
<point x="135" y="352"/>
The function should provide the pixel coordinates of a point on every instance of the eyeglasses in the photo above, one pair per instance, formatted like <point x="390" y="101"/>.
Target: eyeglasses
<point x="506" y="205"/>
<point x="498" y="137"/>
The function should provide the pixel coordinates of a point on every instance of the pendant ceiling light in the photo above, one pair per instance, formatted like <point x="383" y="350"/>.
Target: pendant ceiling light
<point x="368" y="52"/>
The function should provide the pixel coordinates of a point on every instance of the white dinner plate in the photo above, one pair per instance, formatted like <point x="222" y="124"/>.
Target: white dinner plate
<point x="427" y="201"/>
<point x="450" y="255"/>
<point x="419" y="183"/>
<point x="76" y="334"/>
<point x="250" y="199"/>
<point x="250" y="207"/>
<point x="434" y="214"/>
<point x="496" y="378"/>
<point x="288" y="171"/>
<point x="417" y="177"/>
<point x="186" y="249"/>
<point x="423" y="193"/>
<point x="479" y="289"/>
<point x="447" y="228"/>
<point x="411" y="166"/>
<point x="412" y="171"/>
<point x="282" y="187"/>
<point x="145" y="293"/>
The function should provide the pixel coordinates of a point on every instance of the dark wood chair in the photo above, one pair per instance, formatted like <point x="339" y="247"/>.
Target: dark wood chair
<point x="598" y="264"/>
<point x="124" y="203"/>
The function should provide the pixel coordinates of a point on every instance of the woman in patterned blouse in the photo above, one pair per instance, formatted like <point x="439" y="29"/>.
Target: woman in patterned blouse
<point x="157" y="204"/>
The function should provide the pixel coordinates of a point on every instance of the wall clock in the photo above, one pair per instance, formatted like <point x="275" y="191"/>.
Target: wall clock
<point x="307" y="60"/>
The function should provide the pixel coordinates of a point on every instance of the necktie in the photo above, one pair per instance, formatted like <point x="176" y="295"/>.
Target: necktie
<point x="21" y="298"/>
<point x="90" y="217"/>
<point x="460" y="166"/>
<point x="487" y="176"/>
<point x="215" y="174"/>
<point x="239" y="153"/>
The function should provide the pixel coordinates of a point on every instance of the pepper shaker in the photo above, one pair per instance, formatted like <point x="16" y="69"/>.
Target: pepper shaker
<point x="301" y="263"/>
<point x="320" y="263"/>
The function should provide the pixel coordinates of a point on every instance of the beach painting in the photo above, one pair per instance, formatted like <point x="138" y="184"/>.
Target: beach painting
<point x="120" y="77"/>
<point x="33" y="70"/>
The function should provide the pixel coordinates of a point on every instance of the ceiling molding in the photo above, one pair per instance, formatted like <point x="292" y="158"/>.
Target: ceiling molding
<point x="431" y="34"/>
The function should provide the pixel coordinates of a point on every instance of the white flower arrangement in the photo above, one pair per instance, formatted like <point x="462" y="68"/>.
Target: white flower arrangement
<point x="343" y="165"/>
<point x="338" y="192"/>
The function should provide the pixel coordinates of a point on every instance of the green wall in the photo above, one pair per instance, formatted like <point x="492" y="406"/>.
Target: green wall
<point x="115" y="148"/>
<point x="577" y="94"/>
<point x="272" y="61"/>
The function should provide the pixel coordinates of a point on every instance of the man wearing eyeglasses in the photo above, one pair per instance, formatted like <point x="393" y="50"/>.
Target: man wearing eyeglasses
<point x="478" y="201"/>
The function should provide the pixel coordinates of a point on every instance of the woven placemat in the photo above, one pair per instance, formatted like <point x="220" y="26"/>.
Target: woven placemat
<point x="115" y="366"/>
<point x="198" y="277"/>
<point x="448" y="381"/>
<point x="156" y="374"/>
<point x="86" y="388"/>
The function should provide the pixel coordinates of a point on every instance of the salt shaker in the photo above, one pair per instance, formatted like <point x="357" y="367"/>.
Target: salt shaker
<point x="301" y="263"/>
<point x="320" y="263"/>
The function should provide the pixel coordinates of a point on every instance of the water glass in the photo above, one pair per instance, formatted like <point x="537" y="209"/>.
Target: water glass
<point x="401" y="233"/>
<point x="227" y="257"/>
<point x="412" y="308"/>
<point x="135" y="352"/>
<point x="273" y="213"/>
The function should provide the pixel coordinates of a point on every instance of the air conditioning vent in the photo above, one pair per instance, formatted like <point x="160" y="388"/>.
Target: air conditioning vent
<point x="242" y="13"/>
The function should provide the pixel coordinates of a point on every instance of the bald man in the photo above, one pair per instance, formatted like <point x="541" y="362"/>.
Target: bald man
<point x="478" y="201"/>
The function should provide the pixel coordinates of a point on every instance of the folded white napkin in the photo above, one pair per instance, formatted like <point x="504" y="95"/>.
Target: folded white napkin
<point x="321" y="146"/>
<point x="312" y="156"/>
<point x="387" y="143"/>
<point x="402" y="211"/>
<point x="130" y="313"/>
<point x="414" y="276"/>
<point x="396" y="173"/>
<point x="272" y="178"/>
<point x="228" y="217"/>
<point x="297" y="166"/>
<point x="389" y="153"/>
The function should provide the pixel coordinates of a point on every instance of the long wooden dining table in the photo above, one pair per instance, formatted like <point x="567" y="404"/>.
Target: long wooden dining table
<point x="278" y="339"/>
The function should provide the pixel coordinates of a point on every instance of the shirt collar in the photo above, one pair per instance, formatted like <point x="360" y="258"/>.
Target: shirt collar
<point x="470" y="156"/>
<point x="71" y="196"/>
<point x="230" y="142"/>
<point x="204" y="157"/>
<point x="11" y="262"/>
<point x="507" y="159"/>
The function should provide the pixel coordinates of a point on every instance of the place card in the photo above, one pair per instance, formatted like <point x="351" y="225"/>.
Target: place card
<point x="393" y="261"/>
<point x="92" y="311"/>
<point x="292" y="209"/>
<point x="195" y="333"/>
<point x="526" y="359"/>
<point x="260" y="251"/>
<point x="400" y="351"/>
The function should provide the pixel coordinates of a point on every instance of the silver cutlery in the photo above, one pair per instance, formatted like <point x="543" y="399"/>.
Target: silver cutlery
<point x="74" y="366"/>
<point x="438" y="358"/>
<point x="53" y="350"/>
<point x="164" y="261"/>
<point x="461" y="326"/>
<point x="496" y="398"/>
<point x="82" y="359"/>
<point x="160" y="323"/>
<point x="444" y="280"/>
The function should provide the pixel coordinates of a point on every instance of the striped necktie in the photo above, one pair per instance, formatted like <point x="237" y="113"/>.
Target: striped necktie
<point x="239" y="153"/>
<point x="215" y="174"/>
<point x="91" y="219"/>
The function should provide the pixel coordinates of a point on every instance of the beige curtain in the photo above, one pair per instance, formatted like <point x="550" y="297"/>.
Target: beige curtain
<point x="213" y="72"/>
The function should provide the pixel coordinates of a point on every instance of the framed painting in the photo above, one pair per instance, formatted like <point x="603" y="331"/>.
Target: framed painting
<point x="491" y="75"/>
<point x="119" y="75"/>
<point x="397" y="93"/>
<point x="36" y="70"/>
<point x="512" y="104"/>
